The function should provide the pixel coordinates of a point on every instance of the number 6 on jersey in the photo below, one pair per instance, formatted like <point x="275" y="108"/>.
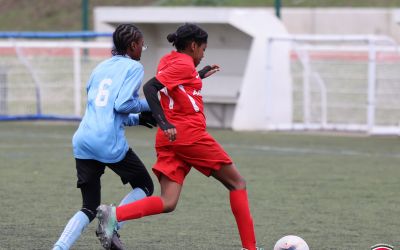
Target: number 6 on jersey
<point x="102" y="95"/>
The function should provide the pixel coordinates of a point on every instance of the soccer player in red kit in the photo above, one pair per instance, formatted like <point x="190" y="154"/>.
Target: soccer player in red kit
<point x="182" y="141"/>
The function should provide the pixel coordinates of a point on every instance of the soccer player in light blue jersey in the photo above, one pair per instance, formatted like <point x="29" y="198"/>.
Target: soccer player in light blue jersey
<point x="112" y="103"/>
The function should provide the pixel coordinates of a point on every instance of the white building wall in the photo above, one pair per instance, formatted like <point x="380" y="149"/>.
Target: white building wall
<point x="378" y="21"/>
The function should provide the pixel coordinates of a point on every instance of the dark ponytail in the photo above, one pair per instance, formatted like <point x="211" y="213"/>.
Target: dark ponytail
<point x="172" y="37"/>
<point x="186" y="34"/>
<point x="123" y="36"/>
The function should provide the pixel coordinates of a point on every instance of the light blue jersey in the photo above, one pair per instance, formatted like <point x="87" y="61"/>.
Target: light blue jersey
<point x="112" y="93"/>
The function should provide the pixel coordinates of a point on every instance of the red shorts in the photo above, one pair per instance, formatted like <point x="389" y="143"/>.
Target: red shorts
<point x="175" y="161"/>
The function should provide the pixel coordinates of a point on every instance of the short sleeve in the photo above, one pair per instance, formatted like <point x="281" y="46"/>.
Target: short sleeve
<point x="175" y="74"/>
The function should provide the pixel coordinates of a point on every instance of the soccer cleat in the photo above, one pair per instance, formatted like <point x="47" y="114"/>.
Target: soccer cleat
<point x="107" y="225"/>
<point x="116" y="243"/>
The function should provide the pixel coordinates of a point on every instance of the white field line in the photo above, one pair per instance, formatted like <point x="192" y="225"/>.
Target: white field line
<point x="310" y="151"/>
<point x="32" y="145"/>
<point x="32" y="135"/>
<point x="262" y="148"/>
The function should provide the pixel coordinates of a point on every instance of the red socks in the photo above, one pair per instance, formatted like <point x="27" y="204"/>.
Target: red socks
<point x="244" y="221"/>
<point x="239" y="204"/>
<point x="144" y="207"/>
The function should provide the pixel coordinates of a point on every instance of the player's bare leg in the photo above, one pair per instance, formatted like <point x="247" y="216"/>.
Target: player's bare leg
<point x="230" y="177"/>
<point x="170" y="192"/>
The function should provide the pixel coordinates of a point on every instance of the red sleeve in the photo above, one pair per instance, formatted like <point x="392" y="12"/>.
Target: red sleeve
<point x="175" y="73"/>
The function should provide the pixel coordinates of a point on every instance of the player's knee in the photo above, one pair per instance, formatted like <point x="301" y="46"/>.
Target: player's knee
<point x="169" y="205"/>
<point x="168" y="208"/>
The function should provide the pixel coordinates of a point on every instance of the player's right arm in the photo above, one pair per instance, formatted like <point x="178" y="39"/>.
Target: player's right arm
<point x="150" y="90"/>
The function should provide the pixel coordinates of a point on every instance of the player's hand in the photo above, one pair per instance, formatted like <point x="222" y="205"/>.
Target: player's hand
<point x="170" y="133"/>
<point x="168" y="129"/>
<point x="146" y="119"/>
<point x="208" y="71"/>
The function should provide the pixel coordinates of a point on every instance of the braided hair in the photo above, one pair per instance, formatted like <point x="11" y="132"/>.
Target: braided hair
<point x="123" y="36"/>
<point x="186" y="34"/>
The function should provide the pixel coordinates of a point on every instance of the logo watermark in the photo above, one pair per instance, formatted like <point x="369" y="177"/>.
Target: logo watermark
<point x="382" y="247"/>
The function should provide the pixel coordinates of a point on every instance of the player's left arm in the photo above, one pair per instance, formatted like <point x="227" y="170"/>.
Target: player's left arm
<point x="208" y="71"/>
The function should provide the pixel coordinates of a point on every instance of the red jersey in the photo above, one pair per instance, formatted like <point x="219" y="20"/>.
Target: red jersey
<point x="181" y="98"/>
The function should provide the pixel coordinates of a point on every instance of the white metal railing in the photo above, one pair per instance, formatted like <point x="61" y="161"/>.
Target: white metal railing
<point x="303" y="45"/>
<point x="77" y="56"/>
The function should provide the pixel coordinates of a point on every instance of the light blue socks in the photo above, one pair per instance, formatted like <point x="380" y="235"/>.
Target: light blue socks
<point x="134" y="195"/>
<point x="79" y="222"/>
<point x="72" y="231"/>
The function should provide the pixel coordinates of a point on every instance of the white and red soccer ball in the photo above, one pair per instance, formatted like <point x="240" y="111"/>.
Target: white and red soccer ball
<point x="291" y="242"/>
